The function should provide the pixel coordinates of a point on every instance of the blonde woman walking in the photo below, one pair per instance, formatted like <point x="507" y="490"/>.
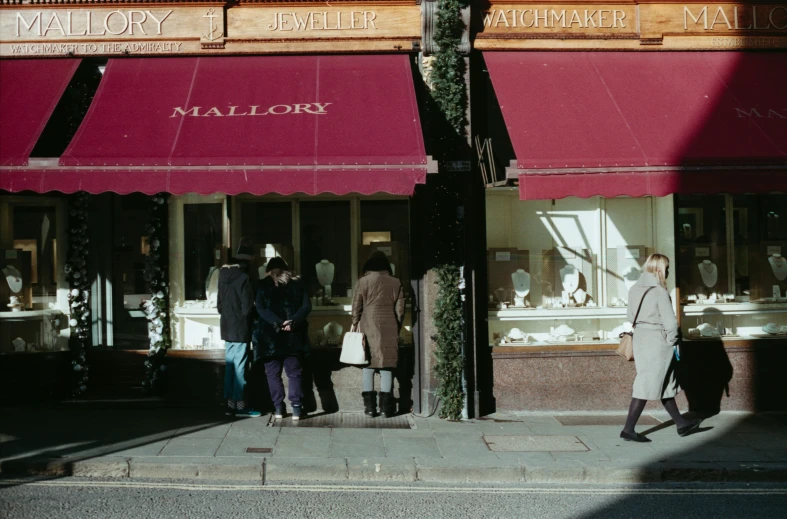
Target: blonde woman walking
<point x="655" y="347"/>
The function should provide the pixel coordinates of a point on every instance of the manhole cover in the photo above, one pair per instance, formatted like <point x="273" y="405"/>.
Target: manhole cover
<point x="535" y="444"/>
<point x="603" y="420"/>
<point x="345" y="421"/>
<point x="259" y="450"/>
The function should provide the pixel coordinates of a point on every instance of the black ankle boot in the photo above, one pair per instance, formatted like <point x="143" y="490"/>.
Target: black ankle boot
<point x="370" y="403"/>
<point x="387" y="404"/>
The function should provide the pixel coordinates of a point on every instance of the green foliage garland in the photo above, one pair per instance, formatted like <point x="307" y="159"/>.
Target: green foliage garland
<point x="448" y="72"/>
<point x="449" y="90"/>
<point x="157" y="307"/>
<point x="79" y="293"/>
<point x="449" y="324"/>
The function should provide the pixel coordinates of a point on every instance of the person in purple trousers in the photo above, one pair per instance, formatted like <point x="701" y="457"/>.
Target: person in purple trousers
<point x="281" y="338"/>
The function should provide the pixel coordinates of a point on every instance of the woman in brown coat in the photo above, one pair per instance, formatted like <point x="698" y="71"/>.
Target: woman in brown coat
<point x="378" y="312"/>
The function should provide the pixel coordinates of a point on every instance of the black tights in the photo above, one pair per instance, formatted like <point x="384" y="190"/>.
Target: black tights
<point x="638" y="405"/>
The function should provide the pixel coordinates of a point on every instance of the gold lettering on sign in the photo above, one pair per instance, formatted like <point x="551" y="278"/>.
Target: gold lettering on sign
<point x="323" y="21"/>
<point x="553" y="18"/>
<point x="232" y="111"/>
<point x="719" y="17"/>
<point x="115" y="23"/>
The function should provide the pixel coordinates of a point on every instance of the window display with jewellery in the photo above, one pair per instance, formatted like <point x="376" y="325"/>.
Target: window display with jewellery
<point x="559" y="271"/>
<point x="733" y="276"/>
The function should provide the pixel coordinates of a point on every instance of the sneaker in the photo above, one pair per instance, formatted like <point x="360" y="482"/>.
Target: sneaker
<point x="297" y="412"/>
<point x="279" y="412"/>
<point x="250" y="413"/>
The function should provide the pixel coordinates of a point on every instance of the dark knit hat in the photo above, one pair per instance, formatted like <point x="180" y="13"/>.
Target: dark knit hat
<point x="277" y="263"/>
<point x="245" y="252"/>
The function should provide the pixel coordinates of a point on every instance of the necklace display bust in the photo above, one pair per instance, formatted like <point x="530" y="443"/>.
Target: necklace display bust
<point x="709" y="273"/>
<point x="521" y="280"/>
<point x="778" y="266"/>
<point x="569" y="277"/>
<point x="14" y="278"/>
<point x="333" y="331"/>
<point x="325" y="270"/>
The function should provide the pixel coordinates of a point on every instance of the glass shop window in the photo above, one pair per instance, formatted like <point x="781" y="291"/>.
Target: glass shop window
<point x="559" y="271"/>
<point x="268" y="227"/>
<point x="34" y="242"/>
<point x="702" y="247"/>
<point x="733" y="273"/>
<point x="325" y="252"/>
<point x="202" y="234"/>
<point x="385" y="226"/>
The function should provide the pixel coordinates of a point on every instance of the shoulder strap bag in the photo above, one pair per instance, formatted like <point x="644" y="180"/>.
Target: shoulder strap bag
<point x="354" y="348"/>
<point x="626" y="348"/>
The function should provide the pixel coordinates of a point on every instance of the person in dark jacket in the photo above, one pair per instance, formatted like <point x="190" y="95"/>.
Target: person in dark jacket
<point x="282" y="339"/>
<point x="378" y="312"/>
<point x="235" y="304"/>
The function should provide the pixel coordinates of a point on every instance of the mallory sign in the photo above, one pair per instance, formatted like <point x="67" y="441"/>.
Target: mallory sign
<point x="105" y="28"/>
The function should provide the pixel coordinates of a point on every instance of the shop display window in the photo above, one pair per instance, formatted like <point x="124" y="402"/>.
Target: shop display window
<point x="325" y="249"/>
<point x="733" y="275"/>
<point x="385" y="226"/>
<point x="32" y="285"/>
<point x="202" y="238"/>
<point x="559" y="270"/>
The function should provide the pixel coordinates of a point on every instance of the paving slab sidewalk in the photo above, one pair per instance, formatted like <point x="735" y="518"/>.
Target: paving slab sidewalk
<point x="200" y="443"/>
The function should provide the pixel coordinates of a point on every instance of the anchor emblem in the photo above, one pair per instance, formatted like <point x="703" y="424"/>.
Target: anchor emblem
<point x="214" y="33"/>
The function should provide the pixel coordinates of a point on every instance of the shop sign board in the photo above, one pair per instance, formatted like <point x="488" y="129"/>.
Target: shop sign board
<point x="633" y="26"/>
<point x="205" y="28"/>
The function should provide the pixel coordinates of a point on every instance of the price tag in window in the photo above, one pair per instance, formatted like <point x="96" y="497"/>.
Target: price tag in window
<point x="774" y="249"/>
<point x="702" y="252"/>
<point x="632" y="253"/>
<point x="502" y="256"/>
<point x="10" y="254"/>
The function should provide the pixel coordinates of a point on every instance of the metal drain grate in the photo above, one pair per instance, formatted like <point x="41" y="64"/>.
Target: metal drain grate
<point x="259" y="450"/>
<point x="603" y="420"/>
<point x="346" y="421"/>
<point x="535" y="444"/>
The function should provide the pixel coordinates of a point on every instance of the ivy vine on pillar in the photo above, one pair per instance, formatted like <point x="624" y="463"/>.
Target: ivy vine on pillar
<point x="157" y="307"/>
<point x="449" y="90"/>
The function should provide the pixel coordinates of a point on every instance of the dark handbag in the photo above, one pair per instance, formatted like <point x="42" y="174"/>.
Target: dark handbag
<point x="626" y="348"/>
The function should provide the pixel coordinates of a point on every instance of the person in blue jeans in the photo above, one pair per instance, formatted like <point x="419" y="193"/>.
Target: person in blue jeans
<point x="281" y="338"/>
<point x="235" y="304"/>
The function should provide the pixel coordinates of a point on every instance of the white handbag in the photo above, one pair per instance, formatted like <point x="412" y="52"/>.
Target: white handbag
<point x="354" y="348"/>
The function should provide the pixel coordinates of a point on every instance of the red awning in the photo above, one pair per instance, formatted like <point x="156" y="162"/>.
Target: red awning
<point x="258" y="124"/>
<point x="29" y="92"/>
<point x="644" y="123"/>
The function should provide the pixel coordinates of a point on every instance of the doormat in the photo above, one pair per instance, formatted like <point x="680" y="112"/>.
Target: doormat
<point x="603" y="420"/>
<point x="345" y="421"/>
<point x="535" y="444"/>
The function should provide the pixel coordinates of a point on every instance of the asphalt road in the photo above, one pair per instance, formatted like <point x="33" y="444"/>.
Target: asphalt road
<point x="111" y="499"/>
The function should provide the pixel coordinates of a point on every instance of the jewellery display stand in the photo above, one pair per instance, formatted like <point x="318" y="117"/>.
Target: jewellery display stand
<point x="501" y="264"/>
<point x="559" y="278"/>
<point x="703" y="270"/>
<point x="765" y="269"/>
<point x="15" y="261"/>
<point x="325" y="272"/>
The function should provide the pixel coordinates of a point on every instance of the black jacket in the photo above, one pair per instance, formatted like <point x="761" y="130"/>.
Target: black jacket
<point x="276" y="304"/>
<point x="235" y="304"/>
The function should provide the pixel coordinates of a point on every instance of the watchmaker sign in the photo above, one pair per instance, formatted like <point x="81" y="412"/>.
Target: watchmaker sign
<point x="632" y="25"/>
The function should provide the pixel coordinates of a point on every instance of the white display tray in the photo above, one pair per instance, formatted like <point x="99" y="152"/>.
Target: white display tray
<point x="537" y="314"/>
